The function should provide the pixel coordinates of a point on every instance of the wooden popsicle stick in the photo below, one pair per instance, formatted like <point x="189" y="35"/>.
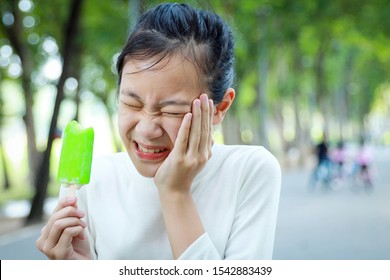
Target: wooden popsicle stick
<point x="71" y="190"/>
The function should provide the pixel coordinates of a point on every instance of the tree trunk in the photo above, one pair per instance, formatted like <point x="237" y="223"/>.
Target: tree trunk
<point x="42" y="179"/>
<point x="297" y="96"/>
<point x="280" y="125"/>
<point x="76" y="74"/>
<point x="134" y="13"/>
<point x="6" y="183"/>
<point x="110" y="113"/>
<point x="321" y="96"/>
<point x="263" y="66"/>
<point x="3" y="163"/>
<point x="278" y="117"/>
<point x="15" y="36"/>
<point x="231" y="130"/>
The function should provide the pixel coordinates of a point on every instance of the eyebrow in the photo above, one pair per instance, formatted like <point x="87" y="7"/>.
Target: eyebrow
<point x="175" y="102"/>
<point x="131" y="94"/>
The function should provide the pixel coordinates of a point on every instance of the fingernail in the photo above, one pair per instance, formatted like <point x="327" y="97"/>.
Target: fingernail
<point x="188" y="116"/>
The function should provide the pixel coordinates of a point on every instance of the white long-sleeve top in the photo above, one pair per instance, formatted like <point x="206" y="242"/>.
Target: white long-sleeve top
<point x="236" y="195"/>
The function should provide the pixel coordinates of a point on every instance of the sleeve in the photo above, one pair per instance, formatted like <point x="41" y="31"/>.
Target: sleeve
<point x="253" y="229"/>
<point x="201" y="249"/>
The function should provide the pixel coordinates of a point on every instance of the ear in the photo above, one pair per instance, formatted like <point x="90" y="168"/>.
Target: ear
<point x="222" y="107"/>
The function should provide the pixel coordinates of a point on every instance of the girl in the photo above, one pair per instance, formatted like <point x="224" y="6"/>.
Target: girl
<point x="175" y="194"/>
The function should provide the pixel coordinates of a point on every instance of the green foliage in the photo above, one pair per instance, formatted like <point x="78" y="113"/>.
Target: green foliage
<point x="315" y="50"/>
<point x="246" y="94"/>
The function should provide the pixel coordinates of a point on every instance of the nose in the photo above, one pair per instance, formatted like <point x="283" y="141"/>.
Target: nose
<point x="149" y="126"/>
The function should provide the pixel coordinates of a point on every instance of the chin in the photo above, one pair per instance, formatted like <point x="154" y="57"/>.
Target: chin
<point x="147" y="170"/>
<point x="147" y="173"/>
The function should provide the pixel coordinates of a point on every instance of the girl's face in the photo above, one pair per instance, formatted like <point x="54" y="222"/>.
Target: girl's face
<point x="152" y="104"/>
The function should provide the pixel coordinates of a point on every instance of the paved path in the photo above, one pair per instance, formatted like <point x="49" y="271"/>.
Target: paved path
<point x="311" y="224"/>
<point x="20" y="244"/>
<point x="343" y="224"/>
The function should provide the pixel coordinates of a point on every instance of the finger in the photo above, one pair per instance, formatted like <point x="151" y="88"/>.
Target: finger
<point x="205" y="126"/>
<point x="65" y="201"/>
<point x="58" y="229"/>
<point x="181" y="142"/>
<point x="68" y="211"/>
<point x="194" y="137"/>
<point x="65" y="241"/>
<point x="47" y="241"/>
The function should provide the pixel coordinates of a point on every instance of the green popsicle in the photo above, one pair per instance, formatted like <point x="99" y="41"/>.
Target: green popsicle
<point x="74" y="169"/>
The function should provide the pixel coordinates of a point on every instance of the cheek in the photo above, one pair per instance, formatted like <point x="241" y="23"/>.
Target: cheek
<point x="171" y="127"/>
<point x="126" y="120"/>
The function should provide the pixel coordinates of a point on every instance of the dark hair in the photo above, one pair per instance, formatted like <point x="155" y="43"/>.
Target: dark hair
<point x="200" y="36"/>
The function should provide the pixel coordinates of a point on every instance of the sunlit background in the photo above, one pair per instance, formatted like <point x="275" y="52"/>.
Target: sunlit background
<point x="303" y="68"/>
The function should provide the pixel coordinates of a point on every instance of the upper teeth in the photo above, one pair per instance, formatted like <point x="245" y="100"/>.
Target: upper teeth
<point x="142" y="149"/>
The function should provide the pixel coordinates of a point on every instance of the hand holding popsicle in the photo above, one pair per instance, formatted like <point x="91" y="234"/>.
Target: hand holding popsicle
<point x="63" y="237"/>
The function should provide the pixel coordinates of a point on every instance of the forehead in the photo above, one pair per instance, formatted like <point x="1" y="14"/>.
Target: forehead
<point x="172" y="70"/>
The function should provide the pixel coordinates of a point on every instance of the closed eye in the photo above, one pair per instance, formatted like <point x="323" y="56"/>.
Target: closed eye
<point x="132" y="106"/>
<point x="173" y="114"/>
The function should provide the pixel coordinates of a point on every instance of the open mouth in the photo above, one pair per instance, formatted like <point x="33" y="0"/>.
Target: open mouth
<point x="150" y="150"/>
<point x="148" y="153"/>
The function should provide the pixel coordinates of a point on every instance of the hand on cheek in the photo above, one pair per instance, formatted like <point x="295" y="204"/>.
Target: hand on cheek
<point x="191" y="151"/>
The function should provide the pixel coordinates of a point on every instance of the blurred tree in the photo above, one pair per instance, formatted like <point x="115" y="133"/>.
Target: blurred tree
<point x="3" y="160"/>
<point x="14" y="30"/>
<point x="69" y="52"/>
<point x="88" y="59"/>
<point x="296" y="62"/>
<point x="102" y="42"/>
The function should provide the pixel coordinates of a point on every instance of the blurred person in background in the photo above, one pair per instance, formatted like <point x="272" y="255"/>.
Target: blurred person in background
<point x="363" y="164"/>
<point x="338" y="158"/>
<point x="321" y="172"/>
